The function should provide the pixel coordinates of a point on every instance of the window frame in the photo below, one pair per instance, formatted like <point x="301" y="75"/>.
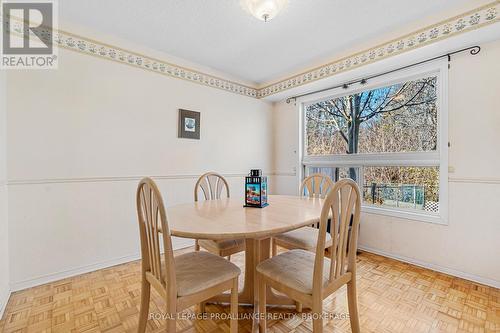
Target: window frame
<point x="438" y="158"/>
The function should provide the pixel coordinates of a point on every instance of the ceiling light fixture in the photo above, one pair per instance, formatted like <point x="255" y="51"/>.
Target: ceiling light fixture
<point x="264" y="10"/>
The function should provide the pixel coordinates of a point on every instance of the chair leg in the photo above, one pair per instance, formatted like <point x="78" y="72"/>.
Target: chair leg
<point x="196" y="245"/>
<point x="144" y="310"/>
<point x="172" y="315"/>
<point x="229" y="258"/>
<point x="202" y="307"/>
<point x="298" y="306"/>
<point x="317" y="316"/>
<point x="171" y="323"/>
<point x="352" y="300"/>
<point x="275" y="249"/>
<point x="262" y="305"/>
<point x="234" y="307"/>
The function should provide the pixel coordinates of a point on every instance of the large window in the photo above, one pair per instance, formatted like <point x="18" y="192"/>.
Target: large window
<point x="387" y="137"/>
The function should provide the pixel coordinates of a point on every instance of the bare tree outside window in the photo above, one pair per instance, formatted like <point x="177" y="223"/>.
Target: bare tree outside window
<point x="400" y="118"/>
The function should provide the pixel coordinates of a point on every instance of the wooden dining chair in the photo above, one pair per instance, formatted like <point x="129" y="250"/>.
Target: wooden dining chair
<point x="185" y="280"/>
<point x="310" y="277"/>
<point x="211" y="185"/>
<point x="315" y="186"/>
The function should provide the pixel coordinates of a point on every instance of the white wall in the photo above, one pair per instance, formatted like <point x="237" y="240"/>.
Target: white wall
<point x="4" y="255"/>
<point x="81" y="136"/>
<point x="469" y="246"/>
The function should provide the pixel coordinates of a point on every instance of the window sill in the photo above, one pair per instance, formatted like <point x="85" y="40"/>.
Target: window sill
<point x="405" y="214"/>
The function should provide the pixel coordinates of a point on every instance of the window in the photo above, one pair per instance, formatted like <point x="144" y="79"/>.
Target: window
<point x="387" y="136"/>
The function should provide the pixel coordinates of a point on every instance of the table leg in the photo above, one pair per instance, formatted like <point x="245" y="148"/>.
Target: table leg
<point x="256" y="251"/>
<point x="271" y="297"/>
<point x="263" y="248"/>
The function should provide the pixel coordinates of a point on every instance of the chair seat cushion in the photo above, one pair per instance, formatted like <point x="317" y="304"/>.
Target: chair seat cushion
<point x="197" y="271"/>
<point x="294" y="269"/>
<point x="303" y="238"/>
<point x="220" y="245"/>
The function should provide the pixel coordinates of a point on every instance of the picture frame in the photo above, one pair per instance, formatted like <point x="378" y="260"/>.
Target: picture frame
<point x="189" y="124"/>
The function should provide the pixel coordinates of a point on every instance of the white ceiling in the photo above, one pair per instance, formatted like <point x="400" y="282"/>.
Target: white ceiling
<point x="221" y="35"/>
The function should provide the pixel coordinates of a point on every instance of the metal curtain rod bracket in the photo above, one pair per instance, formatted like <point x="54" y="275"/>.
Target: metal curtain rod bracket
<point x="473" y="50"/>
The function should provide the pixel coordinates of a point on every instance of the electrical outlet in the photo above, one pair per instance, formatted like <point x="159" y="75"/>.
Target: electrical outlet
<point x="451" y="169"/>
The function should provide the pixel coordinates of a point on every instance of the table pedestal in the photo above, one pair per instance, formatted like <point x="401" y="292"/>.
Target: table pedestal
<point x="256" y="251"/>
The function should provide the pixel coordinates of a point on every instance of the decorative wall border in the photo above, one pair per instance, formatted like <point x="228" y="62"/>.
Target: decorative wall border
<point x="471" y="20"/>
<point x="96" y="48"/>
<point x="468" y="21"/>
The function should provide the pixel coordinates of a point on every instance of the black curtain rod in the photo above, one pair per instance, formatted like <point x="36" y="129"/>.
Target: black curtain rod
<point x="473" y="50"/>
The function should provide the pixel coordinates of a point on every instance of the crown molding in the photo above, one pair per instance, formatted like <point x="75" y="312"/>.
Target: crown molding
<point x="465" y="22"/>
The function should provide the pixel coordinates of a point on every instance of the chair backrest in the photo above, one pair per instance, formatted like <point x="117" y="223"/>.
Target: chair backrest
<point x="211" y="184"/>
<point x="342" y="204"/>
<point x="316" y="185"/>
<point x="153" y="223"/>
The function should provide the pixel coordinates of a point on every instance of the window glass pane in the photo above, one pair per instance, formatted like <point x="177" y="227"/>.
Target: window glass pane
<point x="397" y="118"/>
<point x="403" y="187"/>
<point x="335" y="173"/>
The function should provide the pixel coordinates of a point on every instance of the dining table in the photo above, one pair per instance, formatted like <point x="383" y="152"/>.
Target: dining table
<point x="228" y="219"/>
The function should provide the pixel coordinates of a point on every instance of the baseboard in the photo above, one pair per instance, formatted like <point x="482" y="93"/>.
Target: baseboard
<point x="178" y="243"/>
<point x="437" y="268"/>
<point x="47" y="278"/>
<point x="4" y="299"/>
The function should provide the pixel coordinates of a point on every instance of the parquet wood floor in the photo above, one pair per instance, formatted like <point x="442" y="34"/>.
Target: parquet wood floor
<point x="393" y="297"/>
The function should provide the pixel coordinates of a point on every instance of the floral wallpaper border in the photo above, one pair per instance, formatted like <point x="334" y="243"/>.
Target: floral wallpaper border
<point x="83" y="45"/>
<point x="468" y="21"/>
<point x="88" y="46"/>
<point x="471" y="20"/>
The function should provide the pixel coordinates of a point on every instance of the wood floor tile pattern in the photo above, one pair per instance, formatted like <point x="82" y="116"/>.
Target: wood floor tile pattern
<point x="393" y="297"/>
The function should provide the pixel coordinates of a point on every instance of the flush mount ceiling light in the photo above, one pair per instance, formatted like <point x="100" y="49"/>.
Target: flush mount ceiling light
<point x="264" y="10"/>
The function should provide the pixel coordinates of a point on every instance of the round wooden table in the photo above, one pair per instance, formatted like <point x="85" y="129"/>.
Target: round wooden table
<point x="228" y="219"/>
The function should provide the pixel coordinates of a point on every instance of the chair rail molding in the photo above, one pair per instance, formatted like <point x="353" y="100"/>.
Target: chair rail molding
<point x="471" y="20"/>
<point x="474" y="180"/>
<point x="36" y="181"/>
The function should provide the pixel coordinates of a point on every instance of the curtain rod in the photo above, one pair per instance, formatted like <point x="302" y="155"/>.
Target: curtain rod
<point x="473" y="50"/>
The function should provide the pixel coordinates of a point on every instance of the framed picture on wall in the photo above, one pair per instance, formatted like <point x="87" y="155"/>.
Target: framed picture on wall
<point x="189" y="124"/>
